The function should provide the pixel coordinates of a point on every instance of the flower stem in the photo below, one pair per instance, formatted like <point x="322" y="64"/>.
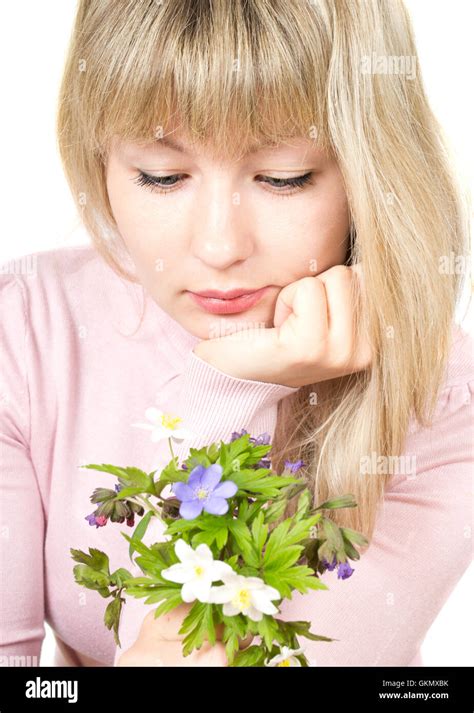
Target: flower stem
<point x="172" y="452"/>
<point x="145" y="500"/>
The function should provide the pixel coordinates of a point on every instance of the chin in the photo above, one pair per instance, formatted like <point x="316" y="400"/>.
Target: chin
<point x="210" y="326"/>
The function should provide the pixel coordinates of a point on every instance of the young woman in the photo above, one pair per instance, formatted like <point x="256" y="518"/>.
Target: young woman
<point x="274" y="223"/>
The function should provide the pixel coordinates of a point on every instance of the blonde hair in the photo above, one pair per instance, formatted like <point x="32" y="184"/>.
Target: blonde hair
<point x="240" y="72"/>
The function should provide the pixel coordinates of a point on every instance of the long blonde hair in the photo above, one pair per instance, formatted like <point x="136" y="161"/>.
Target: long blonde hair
<point x="249" y="70"/>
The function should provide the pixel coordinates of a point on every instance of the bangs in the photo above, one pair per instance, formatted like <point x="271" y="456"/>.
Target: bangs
<point x="232" y="75"/>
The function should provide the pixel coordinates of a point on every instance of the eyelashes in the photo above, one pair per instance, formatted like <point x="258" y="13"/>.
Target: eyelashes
<point x="165" y="184"/>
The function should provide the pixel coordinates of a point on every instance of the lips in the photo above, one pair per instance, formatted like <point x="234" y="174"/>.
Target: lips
<point x="229" y="302"/>
<point x="226" y="294"/>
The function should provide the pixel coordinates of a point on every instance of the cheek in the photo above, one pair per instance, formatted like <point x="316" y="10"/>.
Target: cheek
<point x="149" y="234"/>
<point x="309" y="239"/>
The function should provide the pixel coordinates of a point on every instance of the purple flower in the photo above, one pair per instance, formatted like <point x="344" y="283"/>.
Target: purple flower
<point x="262" y="440"/>
<point x="118" y="488"/>
<point x="293" y="467"/>
<point x="344" y="570"/>
<point x="327" y="565"/>
<point x="204" y="492"/>
<point x="235" y="434"/>
<point x="99" y="521"/>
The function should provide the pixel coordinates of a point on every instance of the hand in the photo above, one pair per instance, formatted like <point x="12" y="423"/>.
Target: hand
<point x="159" y="644"/>
<point x="313" y="338"/>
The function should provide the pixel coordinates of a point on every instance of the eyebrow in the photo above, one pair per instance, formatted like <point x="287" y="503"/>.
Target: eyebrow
<point x="172" y="144"/>
<point x="164" y="141"/>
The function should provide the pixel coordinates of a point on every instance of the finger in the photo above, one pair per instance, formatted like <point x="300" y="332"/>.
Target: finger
<point x="339" y="284"/>
<point x="343" y="289"/>
<point x="166" y="626"/>
<point x="207" y="655"/>
<point x="243" y="643"/>
<point x="303" y="304"/>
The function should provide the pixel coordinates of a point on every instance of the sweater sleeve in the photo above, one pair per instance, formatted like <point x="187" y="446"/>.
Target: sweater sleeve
<point x="22" y="519"/>
<point x="421" y="547"/>
<point x="212" y="405"/>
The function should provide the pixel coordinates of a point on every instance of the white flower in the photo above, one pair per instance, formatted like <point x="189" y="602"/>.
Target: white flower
<point x="286" y="657"/>
<point x="164" y="425"/>
<point x="247" y="595"/>
<point x="196" y="572"/>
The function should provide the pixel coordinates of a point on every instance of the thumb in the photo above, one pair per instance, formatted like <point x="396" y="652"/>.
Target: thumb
<point x="243" y="643"/>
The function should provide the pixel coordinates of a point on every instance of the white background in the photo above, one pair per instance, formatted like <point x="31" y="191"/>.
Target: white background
<point x="38" y="213"/>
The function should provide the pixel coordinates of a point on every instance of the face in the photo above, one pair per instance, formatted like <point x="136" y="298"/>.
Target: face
<point x="196" y="223"/>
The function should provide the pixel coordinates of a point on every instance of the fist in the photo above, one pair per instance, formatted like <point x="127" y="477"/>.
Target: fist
<point x="160" y="644"/>
<point x="314" y="337"/>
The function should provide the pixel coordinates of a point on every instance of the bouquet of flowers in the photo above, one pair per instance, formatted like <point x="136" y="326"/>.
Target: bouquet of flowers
<point x="226" y="550"/>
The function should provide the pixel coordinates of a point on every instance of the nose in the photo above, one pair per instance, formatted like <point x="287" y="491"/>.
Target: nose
<point x="221" y="231"/>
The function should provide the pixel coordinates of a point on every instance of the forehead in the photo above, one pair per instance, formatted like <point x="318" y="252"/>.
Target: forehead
<point x="181" y="143"/>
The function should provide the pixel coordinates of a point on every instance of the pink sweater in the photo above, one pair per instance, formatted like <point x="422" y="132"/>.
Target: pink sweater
<point x="76" y="373"/>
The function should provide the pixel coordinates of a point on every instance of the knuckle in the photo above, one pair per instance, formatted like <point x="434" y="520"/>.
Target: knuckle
<point x="340" y="272"/>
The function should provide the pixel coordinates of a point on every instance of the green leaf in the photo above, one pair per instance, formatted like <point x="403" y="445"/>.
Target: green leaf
<point x="259" y="533"/>
<point x="138" y="545"/>
<point x="274" y="511"/>
<point x="232" y="561"/>
<point x="284" y="558"/>
<point x="198" y="626"/>
<point x="259" y="482"/>
<point x="164" y="552"/>
<point x="139" y="532"/>
<point x="245" y="546"/>
<point x="235" y="627"/>
<point x="170" y="474"/>
<point x="300" y="628"/>
<point x="251" y="656"/>
<point x="155" y="594"/>
<point x="96" y="559"/>
<point x="129" y="492"/>
<point x="333" y="535"/>
<point x="171" y="603"/>
<point x="128" y="476"/>
<point x="231" y="646"/>
<point x="281" y="536"/>
<point x="151" y="566"/>
<point x="197" y="456"/>
<point x="299" y="577"/>
<point x="304" y="504"/>
<point x="181" y="525"/>
<point x="212" y="452"/>
<point x="356" y="538"/>
<point x="112" y="617"/>
<point x="344" y="501"/>
<point x="203" y="538"/>
<point x="257" y="453"/>
<point x="268" y="630"/>
<point x="120" y="576"/>
<point x="155" y="558"/>
<point x="233" y="449"/>
<point x="91" y="578"/>
<point x="243" y="509"/>
<point x="222" y="537"/>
